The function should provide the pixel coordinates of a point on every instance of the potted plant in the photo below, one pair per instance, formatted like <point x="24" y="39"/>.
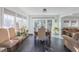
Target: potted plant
<point x="56" y="30"/>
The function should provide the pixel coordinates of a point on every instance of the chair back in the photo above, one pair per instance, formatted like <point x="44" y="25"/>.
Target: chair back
<point x="76" y="36"/>
<point x="41" y="34"/>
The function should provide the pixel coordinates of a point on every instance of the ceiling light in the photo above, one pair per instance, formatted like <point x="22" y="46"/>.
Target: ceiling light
<point x="44" y="10"/>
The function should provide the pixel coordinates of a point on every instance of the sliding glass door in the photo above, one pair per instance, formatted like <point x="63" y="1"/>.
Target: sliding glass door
<point x="51" y="24"/>
<point x="55" y="27"/>
<point x="43" y="22"/>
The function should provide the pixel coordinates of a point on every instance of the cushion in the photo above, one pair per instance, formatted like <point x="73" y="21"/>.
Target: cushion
<point x="4" y="35"/>
<point x="67" y="37"/>
<point x="12" y="33"/>
<point x="76" y="36"/>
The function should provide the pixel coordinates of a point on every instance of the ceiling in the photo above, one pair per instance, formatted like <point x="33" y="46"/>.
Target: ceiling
<point x="50" y="10"/>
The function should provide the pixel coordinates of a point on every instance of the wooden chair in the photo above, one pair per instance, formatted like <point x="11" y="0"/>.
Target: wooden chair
<point x="41" y="34"/>
<point x="41" y="37"/>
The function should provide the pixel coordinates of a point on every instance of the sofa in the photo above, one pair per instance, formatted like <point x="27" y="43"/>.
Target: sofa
<point x="10" y="40"/>
<point x="71" y="41"/>
<point x="18" y="35"/>
<point x="13" y="35"/>
<point x="6" y="41"/>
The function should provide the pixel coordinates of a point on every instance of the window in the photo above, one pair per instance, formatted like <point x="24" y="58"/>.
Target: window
<point x="66" y="21"/>
<point x="47" y="23"/>
<point x="74" y="23"/>
<point x="55" y="26"/>
<point x="39" y="22"/>
<point x="8" y="21"/>
<point x="19" y="22"/>
<point x="25" y="22"/>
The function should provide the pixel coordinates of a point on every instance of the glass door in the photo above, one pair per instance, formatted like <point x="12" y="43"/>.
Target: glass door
<point x="42" y="22"/>
<point x="55" y="28"/>
<point x="50" y="24"/>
